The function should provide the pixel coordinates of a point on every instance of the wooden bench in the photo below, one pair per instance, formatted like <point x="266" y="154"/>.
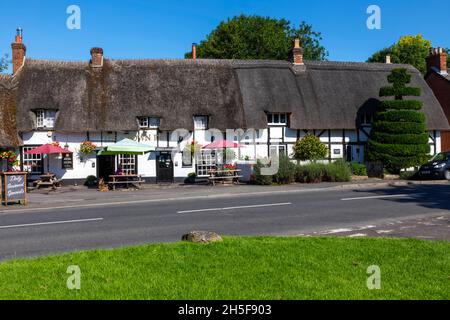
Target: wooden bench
<point x="125" y="180"/>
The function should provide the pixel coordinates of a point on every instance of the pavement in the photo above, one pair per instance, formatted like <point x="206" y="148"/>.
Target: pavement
<point x="79" y="219"/>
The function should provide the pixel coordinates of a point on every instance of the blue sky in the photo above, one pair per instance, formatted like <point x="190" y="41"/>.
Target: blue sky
<point x="167" y="28"/>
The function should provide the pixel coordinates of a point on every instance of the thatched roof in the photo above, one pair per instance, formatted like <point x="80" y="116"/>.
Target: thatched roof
<point x="235" y="94"/>
<point x="8" y="128"/>
<point x="324" y="95"/>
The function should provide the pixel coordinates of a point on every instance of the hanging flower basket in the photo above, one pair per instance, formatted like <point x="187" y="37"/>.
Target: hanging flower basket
<point x="194" y="147"/>
<point x="10" y="157"/>
<point x="87" y="147"/>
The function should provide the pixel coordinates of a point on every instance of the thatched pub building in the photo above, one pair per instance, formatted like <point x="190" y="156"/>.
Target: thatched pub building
<point x="105" y="100"/>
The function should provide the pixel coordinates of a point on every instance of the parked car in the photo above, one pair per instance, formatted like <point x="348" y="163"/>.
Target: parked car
<point x="437" y="168"/>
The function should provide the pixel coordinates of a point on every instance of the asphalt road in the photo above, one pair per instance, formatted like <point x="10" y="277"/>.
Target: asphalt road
<point x="51" y="230"/>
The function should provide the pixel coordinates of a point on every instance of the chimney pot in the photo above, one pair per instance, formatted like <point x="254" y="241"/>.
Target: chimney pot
<point x="297" y="53"/>
<point x="388" y="59"/>
<point x="194" y="51"/>
<point x="96" y="57"/>
<point x="18" y="51"/>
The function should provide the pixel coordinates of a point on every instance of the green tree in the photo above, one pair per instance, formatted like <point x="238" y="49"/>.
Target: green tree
<point x="380" y="56"/>
<point x="255" y="37"/>
<point x="310" y="148"/>
<point x="411" y="50"/>
<point x="4" y="63"/>
<point x="399" y="137"/>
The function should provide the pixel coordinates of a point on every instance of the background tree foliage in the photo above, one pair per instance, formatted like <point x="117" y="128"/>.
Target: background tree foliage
<point x="4" y="63"/>
<point x="399" y="137"/>
<point x="409" y="50"/>
<point x="255" y="37"/>
<point x="310" y="148"/>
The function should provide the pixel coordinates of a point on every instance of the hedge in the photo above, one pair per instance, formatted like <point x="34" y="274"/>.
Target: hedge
<point x="394" y="163"/>
<point x="401" y="105"/>
<point x="400" y="150"/>
<point x="338" y="171"/>
<point x="395" y="127"/>
<point x="394" y="91"/>
<point x="401" y="116"/>
<point x="405" y="138"/>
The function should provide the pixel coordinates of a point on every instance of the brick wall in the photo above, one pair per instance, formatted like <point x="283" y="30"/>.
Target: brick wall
<point x="441" y="89"/>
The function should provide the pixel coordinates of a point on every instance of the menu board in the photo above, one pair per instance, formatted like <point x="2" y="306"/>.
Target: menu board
<point x="67" y="161"/>
<point x="14" y="187"/>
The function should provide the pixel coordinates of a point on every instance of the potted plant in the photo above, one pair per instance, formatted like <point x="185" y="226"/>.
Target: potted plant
<point x="190" y="178"/>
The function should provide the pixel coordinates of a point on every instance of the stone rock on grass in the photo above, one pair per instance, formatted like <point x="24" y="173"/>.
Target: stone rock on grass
<point x="201" y="237"/>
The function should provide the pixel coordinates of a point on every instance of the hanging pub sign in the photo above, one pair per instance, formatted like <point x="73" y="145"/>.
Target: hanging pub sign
<point x="67" y="160"/>
<point x="14" y="187"/>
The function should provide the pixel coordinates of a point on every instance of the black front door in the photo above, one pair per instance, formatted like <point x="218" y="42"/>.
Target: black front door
<point x="164" y="167"/>
<point x="105" y="167"/>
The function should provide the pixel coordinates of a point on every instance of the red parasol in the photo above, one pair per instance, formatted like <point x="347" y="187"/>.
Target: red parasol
<point x="222" y="144"/>
<point x="48" y="149"/>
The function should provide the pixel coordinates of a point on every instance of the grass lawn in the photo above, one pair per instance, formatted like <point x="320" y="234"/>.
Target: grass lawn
<point x="240" y="268"/>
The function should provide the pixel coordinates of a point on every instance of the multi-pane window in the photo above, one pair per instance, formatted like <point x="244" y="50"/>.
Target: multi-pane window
<point x="278" y="149"/>
<point x="277" y="118"/>
<point x="127" y="163"/>
<point x="45" y="118"/>
<point x="32" y="163"/>
<point x="143" y="122"/>
<point x="149" y="122"/>
<point x="201" y="122"/>
<point x="205" y="162"/>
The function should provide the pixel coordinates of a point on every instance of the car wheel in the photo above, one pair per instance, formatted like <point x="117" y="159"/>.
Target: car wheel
<point x="447" y="174"/>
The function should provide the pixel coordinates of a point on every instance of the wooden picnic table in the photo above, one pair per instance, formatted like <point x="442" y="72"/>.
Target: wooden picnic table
<point x="232" y="175"/>
<point x="125" y="179"/>
<point x="48" y="180"/>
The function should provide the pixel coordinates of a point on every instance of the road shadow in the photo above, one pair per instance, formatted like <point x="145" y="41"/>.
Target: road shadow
<point x="427" y="196"/>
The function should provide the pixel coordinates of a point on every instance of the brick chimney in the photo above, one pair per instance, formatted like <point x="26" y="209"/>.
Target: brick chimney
<point x="194" y="51"/>
<point x="96" y="57"/>
<point x="297" y="53"/>
<point x="18" y="52"/>
<point x="437" y="60"/>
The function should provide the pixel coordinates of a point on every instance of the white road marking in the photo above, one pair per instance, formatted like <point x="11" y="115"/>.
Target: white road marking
<point x="49" y="223"/>
<point x="238" y="207"/>
<point x="377" y="197"/>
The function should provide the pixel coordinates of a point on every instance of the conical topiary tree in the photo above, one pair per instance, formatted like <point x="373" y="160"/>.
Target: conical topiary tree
<point x="399" y="137"/>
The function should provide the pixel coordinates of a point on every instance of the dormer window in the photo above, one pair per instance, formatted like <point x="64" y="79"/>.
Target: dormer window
<point x="277" y="119"/>
<point x="201" y="122"/>
<point x="45" y="119"/>
<point x="149" y="122"/>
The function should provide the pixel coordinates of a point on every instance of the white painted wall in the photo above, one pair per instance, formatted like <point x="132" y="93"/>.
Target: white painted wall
<point x="254" y="145"/>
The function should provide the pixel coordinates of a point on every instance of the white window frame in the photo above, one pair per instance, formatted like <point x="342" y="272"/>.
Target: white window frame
<point x="29" y="159"/>
<point x="206" y="160"/>
<point x="201" y="122"/>
<point x="274" y="119"/>
<point x="143" y="122"/>
<point x="128" y="163"/>
<point x="45" y="118"/>
<point x="149" y="122"/>
<point x="154" y="122"/>
<point x="281" y="149"/>
<point x="40" y="118"/>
